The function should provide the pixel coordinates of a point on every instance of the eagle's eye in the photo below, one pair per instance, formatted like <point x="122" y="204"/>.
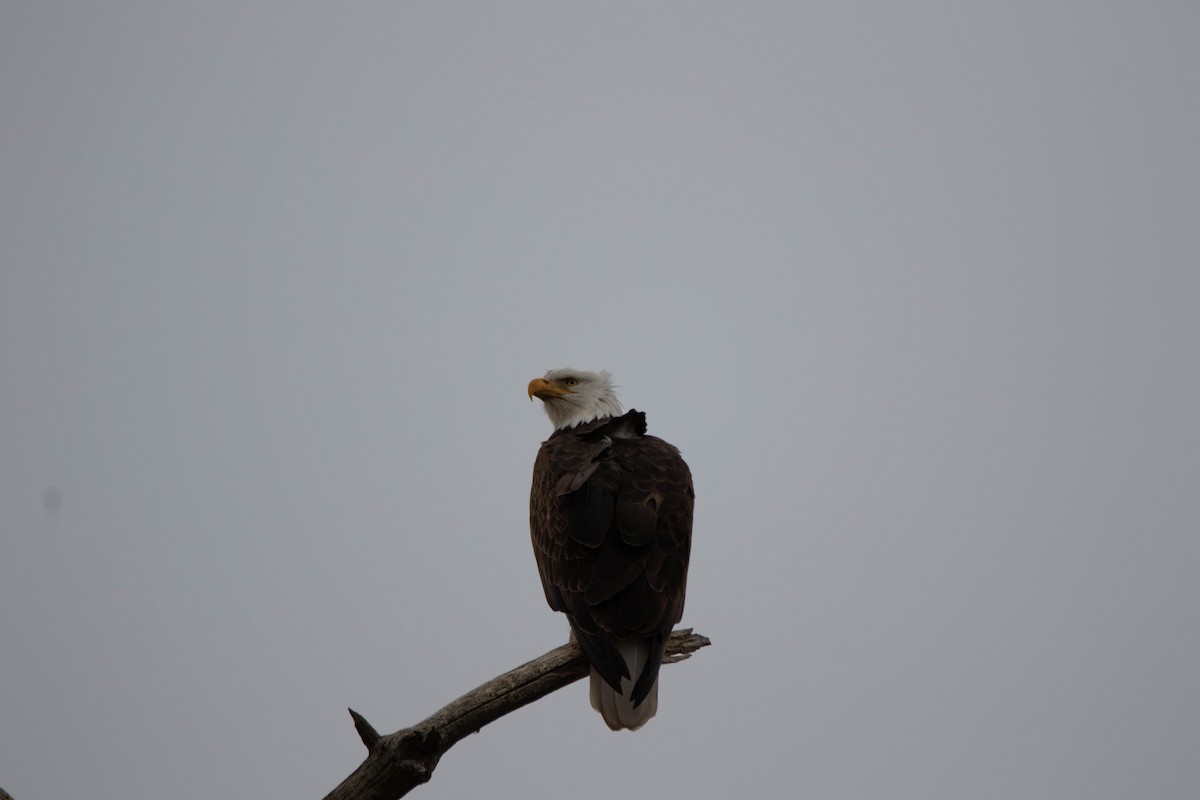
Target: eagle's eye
<point x="571" y="381"/>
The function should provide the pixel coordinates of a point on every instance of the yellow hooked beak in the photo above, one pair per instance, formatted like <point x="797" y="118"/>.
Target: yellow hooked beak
<point x="543" y="389"/>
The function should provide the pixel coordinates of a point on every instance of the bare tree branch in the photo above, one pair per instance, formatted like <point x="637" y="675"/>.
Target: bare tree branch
<point x="405" y="759"/>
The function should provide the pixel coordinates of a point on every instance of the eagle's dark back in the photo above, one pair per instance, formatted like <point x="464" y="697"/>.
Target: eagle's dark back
<point x="611" y="518"/>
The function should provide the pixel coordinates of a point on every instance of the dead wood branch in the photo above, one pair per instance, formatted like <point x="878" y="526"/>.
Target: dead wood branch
<point x="402" y="760"/>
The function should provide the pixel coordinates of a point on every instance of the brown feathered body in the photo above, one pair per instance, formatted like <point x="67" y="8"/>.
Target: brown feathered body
<point x="611" y="517"/>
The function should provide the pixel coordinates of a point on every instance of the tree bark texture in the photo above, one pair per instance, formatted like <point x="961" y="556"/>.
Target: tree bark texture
<point x="400" y="761"/>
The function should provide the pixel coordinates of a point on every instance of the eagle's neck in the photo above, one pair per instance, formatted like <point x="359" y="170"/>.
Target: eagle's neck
<point x="580" y="410"/>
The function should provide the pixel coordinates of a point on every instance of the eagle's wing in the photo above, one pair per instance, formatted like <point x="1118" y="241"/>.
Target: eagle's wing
<point x="611" y="519"/>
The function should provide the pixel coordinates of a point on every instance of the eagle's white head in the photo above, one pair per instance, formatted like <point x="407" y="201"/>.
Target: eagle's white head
<point x="572" y="396"/>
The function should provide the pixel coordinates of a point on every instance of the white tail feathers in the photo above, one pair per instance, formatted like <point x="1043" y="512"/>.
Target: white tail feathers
<point x="617" y="709"/>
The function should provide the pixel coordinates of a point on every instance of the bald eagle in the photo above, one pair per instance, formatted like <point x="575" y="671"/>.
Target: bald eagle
<point x="610" y="514"/>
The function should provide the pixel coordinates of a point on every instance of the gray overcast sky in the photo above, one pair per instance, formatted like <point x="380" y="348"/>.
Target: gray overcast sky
<point x="915" y="287"/>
